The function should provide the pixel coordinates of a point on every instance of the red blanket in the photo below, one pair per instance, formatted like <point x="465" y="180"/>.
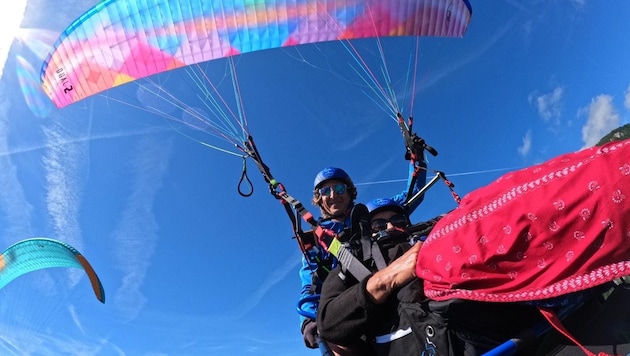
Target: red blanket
<point x="541" y="232"/>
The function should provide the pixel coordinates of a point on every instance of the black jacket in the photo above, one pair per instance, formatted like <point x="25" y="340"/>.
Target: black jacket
<point x="347" y="317"/>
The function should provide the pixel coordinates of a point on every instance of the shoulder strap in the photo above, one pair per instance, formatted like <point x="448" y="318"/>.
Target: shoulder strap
<point x="338" y="245"/>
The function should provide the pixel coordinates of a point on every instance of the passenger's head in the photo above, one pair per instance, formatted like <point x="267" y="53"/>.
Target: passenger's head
<point x="333" y="192"/>
<point x="387" y="215"/>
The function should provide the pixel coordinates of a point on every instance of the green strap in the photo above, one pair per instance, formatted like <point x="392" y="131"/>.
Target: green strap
<point x="348" y="261"/>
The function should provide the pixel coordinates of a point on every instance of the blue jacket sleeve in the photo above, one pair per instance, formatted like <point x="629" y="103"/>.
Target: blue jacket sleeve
<point x="420" y="182"/>
<point x="306" y="278"/>
<point x="309" y="265"/>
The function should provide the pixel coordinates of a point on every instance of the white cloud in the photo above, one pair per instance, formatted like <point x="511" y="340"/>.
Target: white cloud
<point x="549" y="105"/>
<point x="273" y="278"/>
<point x="523" y="150"/>
<point x="626" y="101"/>
<point x="10" y="19"/>
<point x="15" y="340"/>
<point x="602" y="118"/>
<point x="578" y="4"/>
<point x="63" y="164"/>
<point x="17" y="211"/>
<point x="136" y="233"/>
<point x="461" y="61"/>
<point x="4" y="151"/>
<point x="75" y="318"/>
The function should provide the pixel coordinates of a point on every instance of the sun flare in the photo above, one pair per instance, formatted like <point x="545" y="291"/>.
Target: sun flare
<point x="11" y="14"/>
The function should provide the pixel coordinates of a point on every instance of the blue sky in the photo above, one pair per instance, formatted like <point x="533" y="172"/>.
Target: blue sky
<point x="191" y="267"/>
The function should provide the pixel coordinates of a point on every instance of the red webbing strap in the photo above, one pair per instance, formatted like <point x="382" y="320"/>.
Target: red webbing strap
<point x="553" y="319"/>
<point x="451" y="187"/>
<point x="290" y="205"/>
<point x="324" y="236"/>
<point x="277" y="190"/>
<point x="328" y="239"/>
<point x="297" y="228"/>
<point x="297" y="206"/>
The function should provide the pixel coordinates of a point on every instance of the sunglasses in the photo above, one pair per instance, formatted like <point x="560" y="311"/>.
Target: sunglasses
<point x="398" y="220"/>
<point x="338" y="188"/>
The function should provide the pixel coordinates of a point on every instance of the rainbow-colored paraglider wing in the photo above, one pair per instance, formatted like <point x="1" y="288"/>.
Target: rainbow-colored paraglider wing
<point x="39" y="253"/>
<point x="118" y="41"/>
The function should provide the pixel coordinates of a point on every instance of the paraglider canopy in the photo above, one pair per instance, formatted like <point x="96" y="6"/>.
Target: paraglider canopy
<point x="119" y="41"/>
<point x="39" y="253"/>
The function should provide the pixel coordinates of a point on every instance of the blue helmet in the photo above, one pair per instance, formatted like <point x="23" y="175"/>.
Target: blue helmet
<point x="381" y="204"/>
<point x="329" y="173"/>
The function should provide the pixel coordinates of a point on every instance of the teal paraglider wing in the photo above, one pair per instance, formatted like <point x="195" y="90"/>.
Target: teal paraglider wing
<point x="118" y="41"/>
<point x="39" y="253"/>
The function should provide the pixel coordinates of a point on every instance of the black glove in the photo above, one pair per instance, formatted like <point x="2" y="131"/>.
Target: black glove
<point x="309" y="332"/>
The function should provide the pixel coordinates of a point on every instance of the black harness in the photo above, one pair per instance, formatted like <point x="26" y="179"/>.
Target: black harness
<point x="357" y="239"/>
